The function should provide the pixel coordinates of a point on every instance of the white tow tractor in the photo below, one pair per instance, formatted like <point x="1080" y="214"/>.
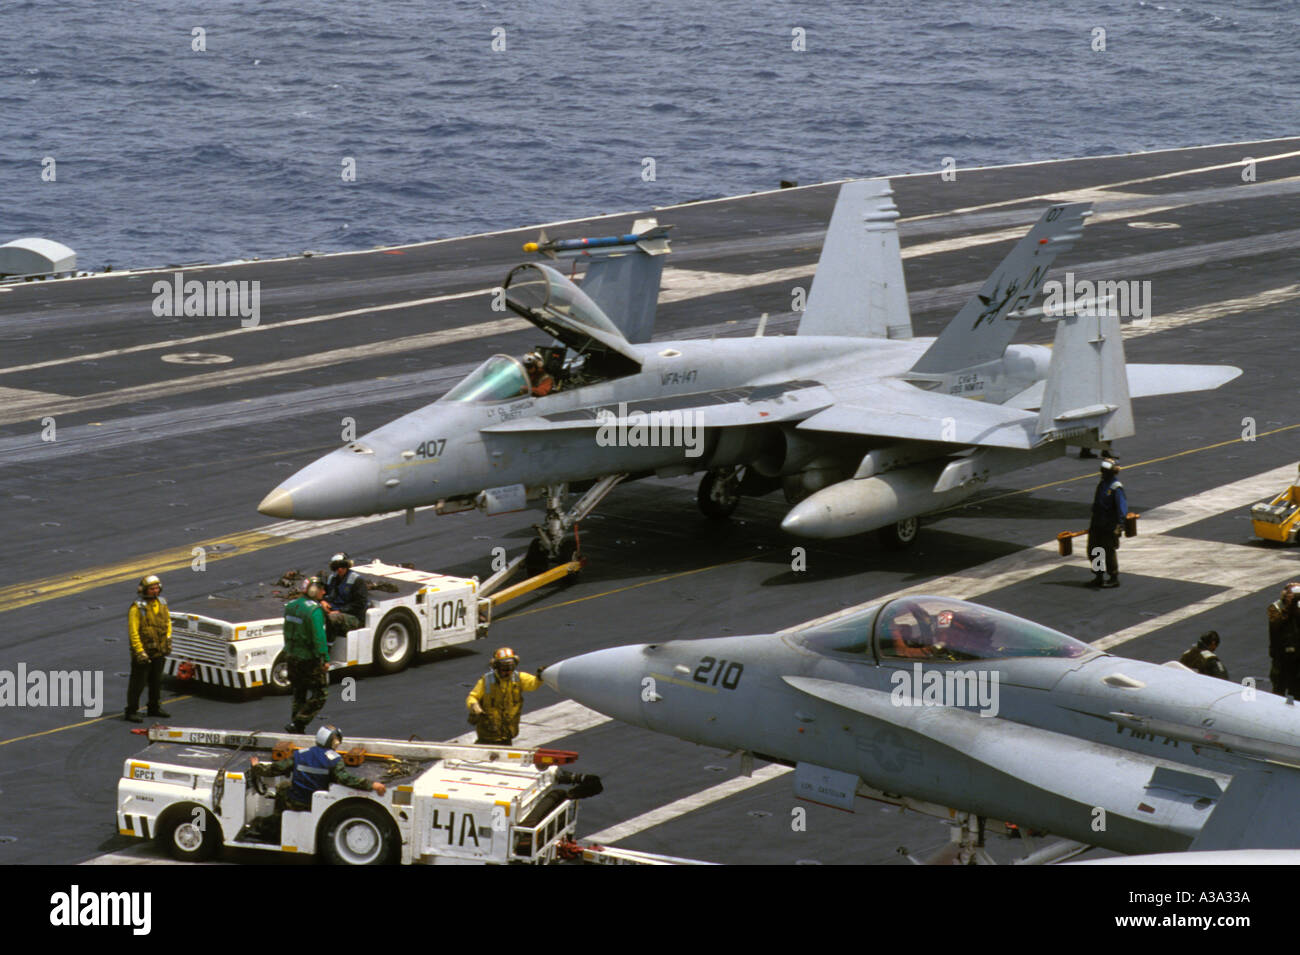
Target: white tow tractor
<point x="240" y="643"/>
<point x="192" y="791"/>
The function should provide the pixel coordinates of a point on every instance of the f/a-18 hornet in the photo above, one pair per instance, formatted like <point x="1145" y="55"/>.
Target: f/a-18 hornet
<point x="862" y="425"/>
<point x="935" y="703"/>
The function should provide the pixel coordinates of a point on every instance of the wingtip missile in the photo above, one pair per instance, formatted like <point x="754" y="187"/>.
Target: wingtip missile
<point x="647" y="235"/>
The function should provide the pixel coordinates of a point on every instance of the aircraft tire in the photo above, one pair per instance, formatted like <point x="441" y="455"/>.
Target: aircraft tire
<point x="900" y="535"/>
<point x="718" y="495"/>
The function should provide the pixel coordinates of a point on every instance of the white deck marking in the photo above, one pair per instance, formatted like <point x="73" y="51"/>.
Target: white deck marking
<point x="1269" y="298"/>
<point x="23" y="409"/>
<point x="1092" y="191"/>
<point x="1151" y="554"/>
<point x="548" y="724"/>
<point x="680" y="284"/>
<point x="1239" y="569"/>
<point x="681" y="807"/>
<point x="212" y="336"/>
<point x="8" y="395"/>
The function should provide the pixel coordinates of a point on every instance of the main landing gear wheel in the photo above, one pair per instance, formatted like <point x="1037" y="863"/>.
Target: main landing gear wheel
<point x="900" y="536"/>
<point x="719" y="493"/>
<point x="537" y="561"/>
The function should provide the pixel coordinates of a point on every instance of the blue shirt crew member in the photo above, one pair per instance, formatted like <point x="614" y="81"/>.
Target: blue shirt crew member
<point x="1109" y="510"/>
<point x="313" y="770"/>
<point x="346" y="597"/>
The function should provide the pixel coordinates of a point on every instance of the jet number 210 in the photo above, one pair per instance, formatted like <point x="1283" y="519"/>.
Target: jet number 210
<point x="431" y="449"/>
<point x="726" y="675"/>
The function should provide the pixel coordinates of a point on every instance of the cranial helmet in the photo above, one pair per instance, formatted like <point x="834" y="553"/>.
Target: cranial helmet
<point x="147" y="582"/>
<point x="329" y="736"/>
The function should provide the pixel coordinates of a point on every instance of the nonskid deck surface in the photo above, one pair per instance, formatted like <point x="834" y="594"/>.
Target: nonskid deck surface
<point x="154" y="458"/>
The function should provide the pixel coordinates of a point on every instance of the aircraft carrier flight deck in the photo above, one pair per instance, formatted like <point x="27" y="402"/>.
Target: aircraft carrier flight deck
<point x="170" y="430"/>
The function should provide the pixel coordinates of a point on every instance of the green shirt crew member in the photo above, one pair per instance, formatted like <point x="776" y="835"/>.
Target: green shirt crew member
<point x="307" y="654"/>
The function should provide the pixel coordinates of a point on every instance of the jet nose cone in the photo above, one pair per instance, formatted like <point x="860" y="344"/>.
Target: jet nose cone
<point x="344" y="483"/>
<point x="279" y="503"/>
<point x="608" y="681"/>
<point x="551" y="676"/>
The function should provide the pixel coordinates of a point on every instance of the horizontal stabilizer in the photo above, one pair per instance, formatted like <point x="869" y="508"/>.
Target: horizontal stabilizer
<point x="890" y="408"/>
<point x="859" y="291"/>
<point x="1260" y="810"/>
<point x="1147" y="381"/>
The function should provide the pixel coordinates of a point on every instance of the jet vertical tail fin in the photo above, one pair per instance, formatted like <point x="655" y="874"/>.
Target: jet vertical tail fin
<point x="1087" y="381"/>
<point x="859" y="290"/>
<point x="981" y="331"/>
<point x="624" y="273"/>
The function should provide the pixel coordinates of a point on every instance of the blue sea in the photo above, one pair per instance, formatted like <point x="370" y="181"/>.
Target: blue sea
<point x="163" y="153"/>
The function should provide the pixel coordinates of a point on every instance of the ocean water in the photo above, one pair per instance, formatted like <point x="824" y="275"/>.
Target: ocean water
<point x="163" y="154"/>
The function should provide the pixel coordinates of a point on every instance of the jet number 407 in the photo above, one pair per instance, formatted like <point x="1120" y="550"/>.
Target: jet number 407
<point x="431" y="449"/>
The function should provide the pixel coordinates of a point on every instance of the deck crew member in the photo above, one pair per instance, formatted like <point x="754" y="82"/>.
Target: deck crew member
<point x="313" y="770"/>
<point x="149" y="624"/>
<point x="1204" y="658"/>
<point x="1284" y="642"/>
<point x="307" y="653"/>
<point x="346" y="598"/>
<point x="1109" y="510"/>
<point x="497" y="699"/>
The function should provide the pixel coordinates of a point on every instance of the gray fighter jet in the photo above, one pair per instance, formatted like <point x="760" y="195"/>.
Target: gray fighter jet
<point x="928" y="701"/>
<point x="863" y="426"/>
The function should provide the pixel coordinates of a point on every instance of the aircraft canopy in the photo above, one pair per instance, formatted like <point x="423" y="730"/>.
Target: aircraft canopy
<point x="500" y="378"/>
<point x="940" y="629"/>
<point x="562" y="310"/>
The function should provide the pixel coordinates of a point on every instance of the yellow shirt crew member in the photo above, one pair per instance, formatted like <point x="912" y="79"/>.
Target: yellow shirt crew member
<point x="497" y="700"/>
<point x="149" y="626"/>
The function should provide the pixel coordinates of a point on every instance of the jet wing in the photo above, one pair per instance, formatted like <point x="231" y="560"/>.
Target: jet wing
<point x="892" y="408"/>
<point x="1147" y="381"/>
<point x="724" y="408"/>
